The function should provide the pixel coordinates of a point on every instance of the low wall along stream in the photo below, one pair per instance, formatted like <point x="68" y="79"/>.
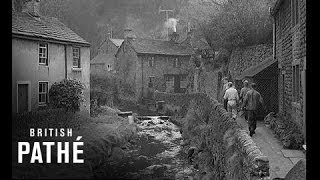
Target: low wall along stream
<point x="218" y="146"/>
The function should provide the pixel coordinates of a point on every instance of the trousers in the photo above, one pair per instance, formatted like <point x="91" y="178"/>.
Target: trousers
<point x="232" y="107"/>
<point x="252" y="120"/>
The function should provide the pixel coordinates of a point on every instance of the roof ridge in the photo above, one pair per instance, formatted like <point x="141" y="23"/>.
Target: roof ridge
<point x="43" y="27"/>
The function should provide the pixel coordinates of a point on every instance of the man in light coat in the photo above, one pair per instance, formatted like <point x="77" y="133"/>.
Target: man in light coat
<point x="232" y="98"/>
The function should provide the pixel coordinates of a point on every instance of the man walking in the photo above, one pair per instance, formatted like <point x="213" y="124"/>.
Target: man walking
<point x="225" y="87"/>
<point x="231" y="96"/>
<point x="250" y="104"/>
<point x="243" y="92"/>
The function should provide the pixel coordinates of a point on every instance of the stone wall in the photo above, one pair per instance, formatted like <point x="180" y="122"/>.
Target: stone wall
<point x="290" y="49"/>
<point x="244" y="58"/>
<point x="217" y="145"/>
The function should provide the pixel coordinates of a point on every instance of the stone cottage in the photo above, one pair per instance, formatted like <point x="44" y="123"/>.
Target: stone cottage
<point x="149" y="65"/>
<point x="289" y="49"/>
<point x="104" y="61"/>
<point x="44" y="51"/>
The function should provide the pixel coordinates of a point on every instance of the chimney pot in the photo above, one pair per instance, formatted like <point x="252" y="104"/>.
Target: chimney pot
<point x="174" y="37"/>
<point x="128" y="33"/>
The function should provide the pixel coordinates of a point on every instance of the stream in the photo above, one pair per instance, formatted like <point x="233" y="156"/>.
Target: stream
<point x="155" y="154"/>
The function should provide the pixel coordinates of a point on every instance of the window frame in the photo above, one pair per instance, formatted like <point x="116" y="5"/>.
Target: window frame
<point x="151" y="82"/>
<point x="46" y="63"/>
<point x="109" y="67"/>
<point x="46" y="93"/>
<point x="183" y="78"/>
<point x="78" y="59"/>
<point x="176" y="62"/>
<point x="151" y="61"/>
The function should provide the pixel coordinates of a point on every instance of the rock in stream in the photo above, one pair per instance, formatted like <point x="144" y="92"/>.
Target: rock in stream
<point x="156" y="154"/>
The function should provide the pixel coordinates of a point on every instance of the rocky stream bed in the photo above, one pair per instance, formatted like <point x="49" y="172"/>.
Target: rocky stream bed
<point x="155" y="154"/>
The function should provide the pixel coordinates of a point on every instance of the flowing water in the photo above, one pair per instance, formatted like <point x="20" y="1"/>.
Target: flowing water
<point x="156" y="153"/>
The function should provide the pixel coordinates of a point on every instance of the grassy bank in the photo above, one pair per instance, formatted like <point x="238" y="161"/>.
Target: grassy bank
<point x="101" y="136"/>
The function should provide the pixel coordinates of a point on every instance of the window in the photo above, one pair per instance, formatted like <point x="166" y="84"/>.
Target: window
<point x="76" y="57"/>
<point x="109" y="67"/>
<point x="183" y="81"/>
<point x="43" y="54"/>
<point x="295" y="83"/>
<point x="176" y="63"/>
<point x="294" y="12"/>
<point x="169" y="83"/>
<point x="151" y="62"/>
<point x="43" y="93"/>
<point x="151" y="82"/>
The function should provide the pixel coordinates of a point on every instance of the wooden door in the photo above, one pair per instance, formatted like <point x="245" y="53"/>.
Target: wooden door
<point x="22" y="98"/>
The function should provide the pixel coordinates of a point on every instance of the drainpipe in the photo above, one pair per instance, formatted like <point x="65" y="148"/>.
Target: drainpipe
<point x="274" y="37"/>
<point x="142" y="76"/>
<point x="65" y="61"/>
<point x="304" y="87"/>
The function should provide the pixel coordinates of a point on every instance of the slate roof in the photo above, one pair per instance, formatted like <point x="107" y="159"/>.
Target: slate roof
<point x="150" y="46"/>
<point x="44" y="27"/>
<point x="252" y="71"/>
<point x="102" y="58"/>
<point x="197" y="42"/>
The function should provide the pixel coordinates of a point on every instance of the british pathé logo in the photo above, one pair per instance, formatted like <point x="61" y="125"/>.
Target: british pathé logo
<point x="36" y="152"/>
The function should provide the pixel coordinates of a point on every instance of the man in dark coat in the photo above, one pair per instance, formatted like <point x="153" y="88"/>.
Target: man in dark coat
<point x="250" y="104"/>
<point x="243" y="92"/>
<point x="224" y="89"/>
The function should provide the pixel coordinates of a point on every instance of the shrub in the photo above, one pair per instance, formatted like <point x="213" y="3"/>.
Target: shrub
<point x="286" y="130"/>
<point x="67" y="94"/>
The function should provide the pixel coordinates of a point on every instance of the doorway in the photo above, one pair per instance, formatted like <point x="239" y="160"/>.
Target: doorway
<point x="23" y="97"/>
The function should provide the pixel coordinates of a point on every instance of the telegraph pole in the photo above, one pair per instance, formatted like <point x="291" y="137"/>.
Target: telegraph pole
<point x="167" y="16"/>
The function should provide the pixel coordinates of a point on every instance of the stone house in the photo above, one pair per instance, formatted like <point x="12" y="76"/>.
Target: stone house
<point x="149" y="65"/>
<point x="44" y="51"/>
<point x="289" y="49"/>
<point x="104" y="61"/>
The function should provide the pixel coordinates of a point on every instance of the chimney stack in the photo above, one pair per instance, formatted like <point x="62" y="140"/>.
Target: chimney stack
<point x="174" y="37"/>
<point x="128" y="34"/>
<point x="31" y="7"/>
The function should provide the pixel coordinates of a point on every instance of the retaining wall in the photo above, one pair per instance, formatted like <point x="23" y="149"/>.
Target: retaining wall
<point x="221" y="149"/>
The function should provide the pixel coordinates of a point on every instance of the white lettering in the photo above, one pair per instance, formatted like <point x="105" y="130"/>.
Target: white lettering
<point x="22" y="152"/>
<point x="64" y="151"/>
<point x="48" y="150"/>
<point x="76" y="151"/>
<point x="31" y="132"/>
<point x="36" y="153"/>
